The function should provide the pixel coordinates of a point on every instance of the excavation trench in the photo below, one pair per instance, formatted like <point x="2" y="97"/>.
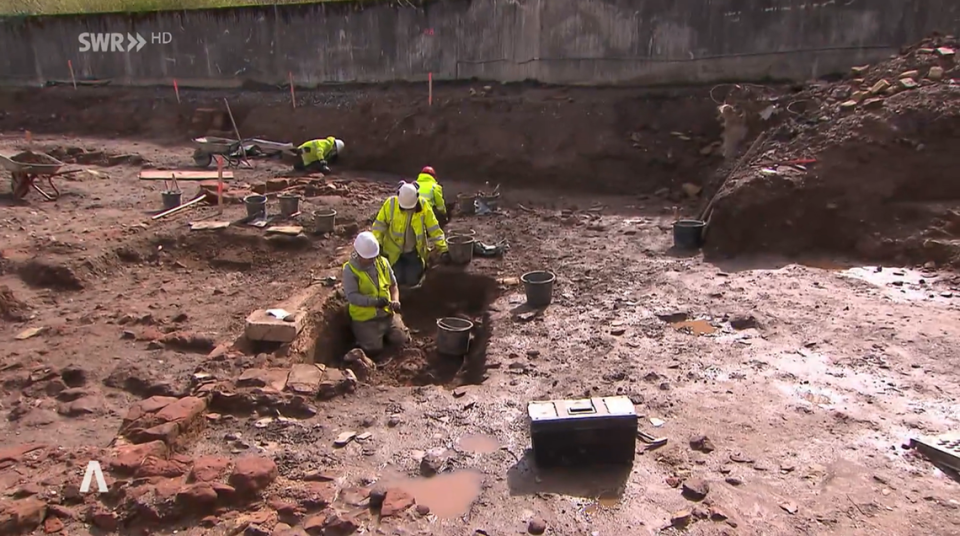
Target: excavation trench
<point x="445" y="293"/>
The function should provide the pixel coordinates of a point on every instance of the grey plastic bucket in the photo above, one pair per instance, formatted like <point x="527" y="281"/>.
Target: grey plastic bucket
<point x="324" y="220"/>
<point x="460" y="232"/>
<point x="289" y="204"/>
<point x="687" y="234"/>
<point x="538" y="287"/>
<point x="461" y="249"/>
<point x="453" y="336"/>
<point x="171" y="199"/>
<point x="467" y="203"/>
<point x="256" y="204"/>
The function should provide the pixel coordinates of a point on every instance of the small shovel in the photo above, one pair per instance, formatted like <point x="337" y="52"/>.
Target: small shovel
<point x="652" y="442"/>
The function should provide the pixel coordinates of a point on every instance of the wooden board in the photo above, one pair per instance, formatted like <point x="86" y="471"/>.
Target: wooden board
<point x="292" y="230"/>
<point x="168" y="175"/>
<point x="208" y="225"/>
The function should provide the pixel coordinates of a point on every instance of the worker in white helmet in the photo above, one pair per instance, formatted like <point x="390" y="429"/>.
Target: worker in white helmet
<point x="373" y="296"/>
<point x="315" y="155"/>
<point x="406" y="228"/>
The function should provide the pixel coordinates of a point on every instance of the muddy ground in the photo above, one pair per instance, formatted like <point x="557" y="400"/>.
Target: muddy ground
<point x="805" y="377"/>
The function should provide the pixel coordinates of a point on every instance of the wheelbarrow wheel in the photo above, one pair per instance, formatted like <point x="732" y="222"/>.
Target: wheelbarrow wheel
<point x="202" y="159"/>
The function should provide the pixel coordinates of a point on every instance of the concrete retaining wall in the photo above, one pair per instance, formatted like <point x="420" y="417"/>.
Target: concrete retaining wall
<point x="552" y="41"/>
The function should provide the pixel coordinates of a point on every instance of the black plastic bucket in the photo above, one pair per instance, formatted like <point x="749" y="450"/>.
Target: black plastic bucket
<point x="688" y="234"/>
<point x="453" y="336"/>
<point x="461" y="249"/>
<point x="171" y="199"/>
<point x="538" y="287"/>
<point x="289" y="204"/>
<point x="256" y="205"/>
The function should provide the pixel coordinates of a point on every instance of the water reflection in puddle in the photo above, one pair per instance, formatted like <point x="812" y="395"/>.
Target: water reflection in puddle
<point x="479" y="444"/>
<point x="448" y="495"/>
<point x="604" y="502"/>
<point x="695" y="327"/>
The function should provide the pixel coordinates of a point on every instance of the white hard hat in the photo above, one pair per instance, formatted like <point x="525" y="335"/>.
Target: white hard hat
<point x="409" y="193"/>
<point x="339" y="144"/>
<point x="366" y="245"/>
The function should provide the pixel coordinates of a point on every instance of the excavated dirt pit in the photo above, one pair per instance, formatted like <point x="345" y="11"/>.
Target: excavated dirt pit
<point x="445" y="293"/>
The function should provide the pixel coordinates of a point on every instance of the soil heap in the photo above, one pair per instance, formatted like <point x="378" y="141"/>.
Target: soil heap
<point x="862" y="167"/>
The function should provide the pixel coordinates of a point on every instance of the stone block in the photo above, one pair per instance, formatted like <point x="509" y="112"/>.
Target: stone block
<point x="263" y="327"/>
<point x="305" y="378"/>
<point x="337" y="382"/>
<point x="273" y="378"/>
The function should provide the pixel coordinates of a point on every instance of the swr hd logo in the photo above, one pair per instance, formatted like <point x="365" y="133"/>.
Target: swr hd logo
<point x="118" y="42"/>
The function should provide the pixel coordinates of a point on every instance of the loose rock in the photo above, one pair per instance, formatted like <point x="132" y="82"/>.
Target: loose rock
<point x="395" y="502"/>
<point x="431" y="464"/>
<point x="252" y="474"/>
<point x="536" y="526"/>
<point x="681" y="519"/>
<point x="702" y="444"/>
<point x="695" y="489"/>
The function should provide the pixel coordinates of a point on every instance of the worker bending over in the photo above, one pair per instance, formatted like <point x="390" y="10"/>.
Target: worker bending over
<point x="373" y="296"/>
<point x="315" y="155"/>
<point x="404" y="228"/>
<point x="431" y="190"/>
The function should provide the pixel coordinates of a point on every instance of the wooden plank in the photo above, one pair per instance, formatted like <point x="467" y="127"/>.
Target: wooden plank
<point x="208" y="225"/>
<point x="168" y="175"/>
<point x="291" y="230"/>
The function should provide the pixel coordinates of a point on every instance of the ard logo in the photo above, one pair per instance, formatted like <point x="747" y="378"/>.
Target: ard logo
<point x="93" y="472"/>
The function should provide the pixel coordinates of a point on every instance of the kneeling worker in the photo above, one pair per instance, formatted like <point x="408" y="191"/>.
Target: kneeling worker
<point x="374" y="299"/>
<point x="431" y="190"/>
<point x="316" y="154"/>
<point x="404" y="227"/>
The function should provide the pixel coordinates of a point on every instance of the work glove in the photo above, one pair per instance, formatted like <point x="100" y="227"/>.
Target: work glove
<point x="382" y="302"/>
<point x="395" y="306"/>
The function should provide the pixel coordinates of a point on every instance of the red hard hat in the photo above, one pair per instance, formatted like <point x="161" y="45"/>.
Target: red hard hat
<point x="429" y="171"/>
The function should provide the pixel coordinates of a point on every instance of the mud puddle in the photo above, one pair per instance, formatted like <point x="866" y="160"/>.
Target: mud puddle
<point x="479" y="444"/>
<point x="901" y="284"/>
<point x="694" y="327"/>
<point x="604" y="502"/>
<point x="448" y="495"/>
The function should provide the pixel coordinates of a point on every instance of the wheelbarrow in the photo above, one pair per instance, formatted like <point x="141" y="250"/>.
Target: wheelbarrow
<point x="27" y="167"/>
<point x="234" y="151"/>
<point x="208" y="147"/>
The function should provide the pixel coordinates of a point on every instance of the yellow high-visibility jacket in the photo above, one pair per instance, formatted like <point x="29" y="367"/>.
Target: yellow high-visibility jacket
<point x="390" y="228"/>
<point x="431" y="190"/>
<point x="368" y="288"/>
<point x="319" y="150"/>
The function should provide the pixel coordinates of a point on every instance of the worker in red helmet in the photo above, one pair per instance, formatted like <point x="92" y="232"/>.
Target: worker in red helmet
<point x="431" y="190"/>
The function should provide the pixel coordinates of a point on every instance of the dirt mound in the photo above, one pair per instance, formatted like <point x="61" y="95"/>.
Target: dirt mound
<point x="12" y="309"/>
<point x="46" y="273"/>
<point x="861" y="167"/>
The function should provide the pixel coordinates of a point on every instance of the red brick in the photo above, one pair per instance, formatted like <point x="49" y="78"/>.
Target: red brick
<point x="128" y="458"/>
<point x="209" y="468"/>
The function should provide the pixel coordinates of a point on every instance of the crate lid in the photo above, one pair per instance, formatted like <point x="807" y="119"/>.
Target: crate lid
<point x="585" y="407"/>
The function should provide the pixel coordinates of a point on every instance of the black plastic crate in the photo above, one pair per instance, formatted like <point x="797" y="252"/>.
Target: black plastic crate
<point x="592" y="431"/>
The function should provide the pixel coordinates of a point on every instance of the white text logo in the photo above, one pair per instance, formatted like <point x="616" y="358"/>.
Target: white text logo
<point x="118" y="42"/>
<point x="93" y="471"/>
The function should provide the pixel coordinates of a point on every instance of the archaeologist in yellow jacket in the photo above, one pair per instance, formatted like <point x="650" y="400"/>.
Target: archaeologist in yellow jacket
<point x="373" y="296"/>
<point x="431" y="190"/>
<point x="405" y="228"/>
<point x="317" y="154"/>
